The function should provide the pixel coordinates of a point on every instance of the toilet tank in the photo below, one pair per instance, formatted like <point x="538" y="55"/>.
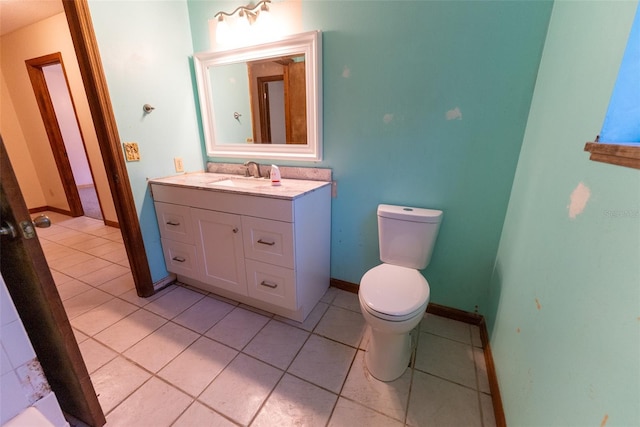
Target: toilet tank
<point x="407" y="235"/>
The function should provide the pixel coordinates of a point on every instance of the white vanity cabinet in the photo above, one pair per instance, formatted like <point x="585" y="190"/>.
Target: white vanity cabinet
<point x="266" y="251"/>
<point x="219" y="248"/>
<point x="178" y="243"/>
<point x="269" y="250"/>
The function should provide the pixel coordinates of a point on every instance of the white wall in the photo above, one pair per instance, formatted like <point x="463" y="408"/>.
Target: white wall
<point x="22" y="382"/>
<point x="18" y="150"/>
<point x="26" y="133"/>
<point x="63" y="106"/>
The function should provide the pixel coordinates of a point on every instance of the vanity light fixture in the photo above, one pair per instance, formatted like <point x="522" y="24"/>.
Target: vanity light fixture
<point x="249" y="12"/>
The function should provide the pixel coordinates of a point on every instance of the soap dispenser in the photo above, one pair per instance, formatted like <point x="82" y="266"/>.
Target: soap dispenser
<point x="275" y="175"/>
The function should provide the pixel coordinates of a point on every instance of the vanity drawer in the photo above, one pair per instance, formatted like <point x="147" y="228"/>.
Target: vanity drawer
<point x="180" y="258"/>
<point x="272" y="284"/>
<point x="174" y="222"/>
<point x="268" y="241"/>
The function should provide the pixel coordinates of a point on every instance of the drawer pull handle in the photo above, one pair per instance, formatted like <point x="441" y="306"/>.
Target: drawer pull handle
<point x="235" y="229"/>
<point x="173" y="223"/>
<point x="179" y="259"/>
<point x="269" y="284"/>
<point x="266" y="243"/>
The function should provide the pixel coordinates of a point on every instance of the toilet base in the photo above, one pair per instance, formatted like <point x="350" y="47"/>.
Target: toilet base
<point x="388" y="355"/>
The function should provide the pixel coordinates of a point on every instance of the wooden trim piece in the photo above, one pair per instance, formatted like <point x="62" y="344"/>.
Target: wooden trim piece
<point x="63" y="212"/>
<point x="88" y="55"/>
<point x="496" y="398"/>
<point x="616" y="154"/>
<point x="56" y="141"/>
<point x="111" y="224"/>
<point x="163" y="283"/>
<point x="344" y="285"/>
<point x="455" y="314"/>
<point x="466" y="317"/>
<point x="49" y="208"/>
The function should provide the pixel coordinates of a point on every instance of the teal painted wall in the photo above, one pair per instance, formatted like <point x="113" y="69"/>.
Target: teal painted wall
<point x="145" y="48"/>
<point x="565" y="294"/>
<point x="392" y="72"/>
<point x="425" y="104"/>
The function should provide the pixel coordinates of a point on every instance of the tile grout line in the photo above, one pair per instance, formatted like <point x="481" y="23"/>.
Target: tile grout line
<point x="123" y="356"/>
<point x="477" y="376"/>
<point x="412" y="366"/>
<point x="330" y="302"/>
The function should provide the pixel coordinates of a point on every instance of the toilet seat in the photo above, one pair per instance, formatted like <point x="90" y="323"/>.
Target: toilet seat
<point x="394" y="293"/>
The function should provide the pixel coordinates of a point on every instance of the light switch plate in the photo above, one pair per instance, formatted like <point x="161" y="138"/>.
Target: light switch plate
<point x="131" y="152"/>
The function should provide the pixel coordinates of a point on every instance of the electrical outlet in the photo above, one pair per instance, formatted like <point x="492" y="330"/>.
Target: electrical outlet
<point x="177" y="161"/>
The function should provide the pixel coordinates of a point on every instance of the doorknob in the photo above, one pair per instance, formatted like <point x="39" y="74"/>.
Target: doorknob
<point x="42" y="221"/>
<point x="8" y="230"/>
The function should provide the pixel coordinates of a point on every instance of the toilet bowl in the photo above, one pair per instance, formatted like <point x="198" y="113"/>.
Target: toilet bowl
<point x="394" y="295"/>
<point x="391" y="313"/>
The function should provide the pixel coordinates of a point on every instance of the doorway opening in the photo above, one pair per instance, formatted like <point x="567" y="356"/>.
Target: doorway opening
<point x="57" y="109"/>
<point x="272" y="107"/>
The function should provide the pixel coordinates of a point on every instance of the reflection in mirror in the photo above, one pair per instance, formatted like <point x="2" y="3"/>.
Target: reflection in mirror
<point x="271" y="111"/>
<point x="278" y="101"/>
<point x="263" y="101"/>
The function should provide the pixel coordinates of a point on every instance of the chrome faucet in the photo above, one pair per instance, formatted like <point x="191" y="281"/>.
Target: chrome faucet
<point x="248" y="166"/>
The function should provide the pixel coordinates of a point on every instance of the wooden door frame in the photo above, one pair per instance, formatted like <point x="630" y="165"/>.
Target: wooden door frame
<point x="263" y="106"/>
<point x="290" y="103"/>
<point x="45" y="105"/>
<point x="95" y="84"/>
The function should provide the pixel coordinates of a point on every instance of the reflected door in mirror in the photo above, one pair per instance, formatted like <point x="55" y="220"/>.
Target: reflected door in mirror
<point x="278" y="100"/>
<point x="296" y="103"/>
<point x="271" y="115"/>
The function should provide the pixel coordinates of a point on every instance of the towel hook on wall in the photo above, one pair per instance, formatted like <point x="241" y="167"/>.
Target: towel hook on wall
<point x="147" y="108"/>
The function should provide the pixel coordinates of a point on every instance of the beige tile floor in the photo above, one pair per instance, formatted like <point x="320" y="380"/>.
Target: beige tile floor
<point x="186" y="358"/>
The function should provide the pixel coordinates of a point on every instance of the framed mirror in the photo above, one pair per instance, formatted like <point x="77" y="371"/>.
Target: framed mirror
<point x="263" y="101"/>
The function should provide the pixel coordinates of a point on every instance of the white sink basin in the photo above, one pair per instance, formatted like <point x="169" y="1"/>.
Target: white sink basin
<point x="241" y="183"/>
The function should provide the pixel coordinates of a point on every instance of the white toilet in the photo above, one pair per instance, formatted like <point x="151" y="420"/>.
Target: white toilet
<point x="394" y="295"/>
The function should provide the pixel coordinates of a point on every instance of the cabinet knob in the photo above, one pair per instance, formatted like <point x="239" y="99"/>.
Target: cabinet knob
<point x="235" y="229"/>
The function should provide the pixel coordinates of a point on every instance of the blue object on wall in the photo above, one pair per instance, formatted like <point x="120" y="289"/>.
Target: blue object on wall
<point x="622" y="122"/>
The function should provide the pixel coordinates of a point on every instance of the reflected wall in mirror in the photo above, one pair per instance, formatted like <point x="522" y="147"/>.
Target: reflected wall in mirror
<point x="263" y="101"/>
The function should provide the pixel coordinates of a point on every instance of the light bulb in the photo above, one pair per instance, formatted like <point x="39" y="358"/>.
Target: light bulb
<point x="242" y="23"/>
<point x="222" y="31"/>
<point x="264" y="18"/>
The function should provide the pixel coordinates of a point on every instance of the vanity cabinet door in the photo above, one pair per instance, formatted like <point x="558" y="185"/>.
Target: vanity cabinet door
<point x="219" y="249"/>
<point x="181" y="258"/>
<point x="174" y="222"/>
<point x="268" y="241"/>
<point x="272" y="284"/>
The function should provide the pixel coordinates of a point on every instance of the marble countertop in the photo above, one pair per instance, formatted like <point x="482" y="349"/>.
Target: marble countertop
<point x="237" y="184"/>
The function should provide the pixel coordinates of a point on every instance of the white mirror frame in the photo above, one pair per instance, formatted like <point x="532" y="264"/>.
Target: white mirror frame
<point x="309" y="44"/>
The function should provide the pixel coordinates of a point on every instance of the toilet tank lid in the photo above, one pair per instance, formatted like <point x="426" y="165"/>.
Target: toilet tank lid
<point x="406" y="213"/>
